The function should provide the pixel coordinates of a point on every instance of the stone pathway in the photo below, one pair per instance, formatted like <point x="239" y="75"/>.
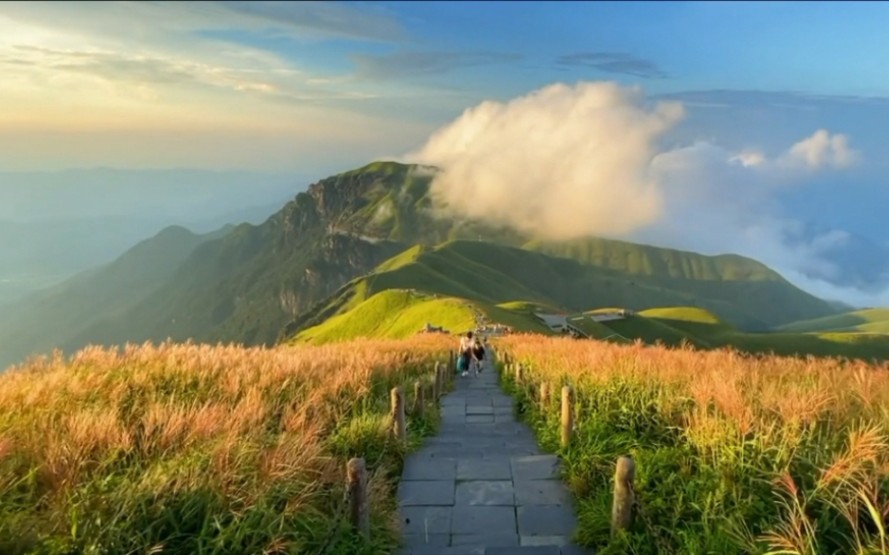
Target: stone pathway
<point x="482" y="486"/>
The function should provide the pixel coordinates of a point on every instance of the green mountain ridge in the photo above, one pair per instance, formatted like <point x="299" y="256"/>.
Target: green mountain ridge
<point x="491" y="273"/>
<point x="257" y="284"/>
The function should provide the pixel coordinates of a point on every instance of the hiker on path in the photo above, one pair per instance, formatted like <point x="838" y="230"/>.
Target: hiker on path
<point x="478" y="354"/>
<point x="465" y="355"/>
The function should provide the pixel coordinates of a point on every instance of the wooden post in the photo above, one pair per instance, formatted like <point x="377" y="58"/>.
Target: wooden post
<point x="518" y="374"/>
<point x="436" y="385"/>
<point x="396" y="399"/>
<point x="567" y="415"/>
<point x="624" y="497"/>
<point x="544" y="396"/>
<point x="356" y="488"/>
<point x="418" y="398"/>
<point x="442" y="369"/>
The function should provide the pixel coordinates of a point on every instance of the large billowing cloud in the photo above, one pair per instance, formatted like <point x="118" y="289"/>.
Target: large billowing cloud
<point x="572" y="161"/>
<point x="560" y="162"/>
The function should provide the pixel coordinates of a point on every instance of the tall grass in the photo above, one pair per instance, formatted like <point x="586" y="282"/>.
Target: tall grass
<point x="734" y="453"/>
<point x="202" y="449"/>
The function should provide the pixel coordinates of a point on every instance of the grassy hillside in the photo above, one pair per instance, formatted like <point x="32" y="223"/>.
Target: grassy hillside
<point x="651" y="330"/>
<point x="527" y="307"/>
<point x="397" y="314"/>
<point x="873" y="320"/>
<point x="683" y="314"/>
<point x="674" y="325"/>
<point x="850" y="345"/>
<point x="495" y="274"/>
<point x="727" y="278"/>
<point x="393" y="314"/>
<point x="646" y="260"/>
<point x="701" y="324"/>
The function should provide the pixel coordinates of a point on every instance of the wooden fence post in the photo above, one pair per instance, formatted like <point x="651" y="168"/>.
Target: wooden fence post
<point x="396" y="399"/>
<point x="518" y="374"/>
<point x="436" y="385"/>
<point x="624" y="497"/>
<point x="418" y="398"/>
<point x="356" y="487"/>
<point x="445" y="377"/>
<point x="567" y="415"/>
<point x="544" y="396"/>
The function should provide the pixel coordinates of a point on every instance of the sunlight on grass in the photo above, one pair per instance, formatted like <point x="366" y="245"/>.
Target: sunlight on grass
<point x="734" y="453"/>
<point x="196" y="448"/>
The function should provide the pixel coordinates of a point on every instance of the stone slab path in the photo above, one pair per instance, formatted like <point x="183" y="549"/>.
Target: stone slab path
<point x="482" y="486"/>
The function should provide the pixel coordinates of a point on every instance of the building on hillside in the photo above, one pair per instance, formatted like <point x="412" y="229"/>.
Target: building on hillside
<point x="429" y="328"/>
<point x="555" y="322"/>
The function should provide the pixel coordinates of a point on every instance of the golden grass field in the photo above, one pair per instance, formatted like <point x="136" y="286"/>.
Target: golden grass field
<point x="734" y="453"/>
<point x="182" y="448"/>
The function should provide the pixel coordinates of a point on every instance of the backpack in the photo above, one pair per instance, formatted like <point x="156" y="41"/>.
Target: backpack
<point x="462" y="363"/>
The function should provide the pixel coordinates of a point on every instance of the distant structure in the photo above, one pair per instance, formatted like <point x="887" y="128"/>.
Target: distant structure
<point x="555" y="322"/>
<point x="562" y="323"/>
<point x="429" y="328"/>
<point x="493" y="330"/>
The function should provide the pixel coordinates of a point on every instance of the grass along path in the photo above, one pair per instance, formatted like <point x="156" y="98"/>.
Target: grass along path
<point x="734" y="454"/>
<point x="180" y="449"/>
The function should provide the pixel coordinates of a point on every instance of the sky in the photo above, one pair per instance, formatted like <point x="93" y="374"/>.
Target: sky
<point x="288" y="86"/>
<point x="777" y="107"/>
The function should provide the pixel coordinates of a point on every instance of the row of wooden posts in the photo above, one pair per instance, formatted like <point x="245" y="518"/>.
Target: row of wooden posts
<point x="356" y="469"/>
<point x="625" y="469"/>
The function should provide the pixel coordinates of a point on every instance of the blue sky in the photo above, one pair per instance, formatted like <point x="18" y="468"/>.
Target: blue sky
<point x="784" y="104"/>
<point x="207" y="73"/>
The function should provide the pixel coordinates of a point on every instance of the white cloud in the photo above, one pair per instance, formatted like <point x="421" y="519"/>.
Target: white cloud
<point x="718" y="201"/>
<point x="563" y="161"/>
<point x="821" y="150"/>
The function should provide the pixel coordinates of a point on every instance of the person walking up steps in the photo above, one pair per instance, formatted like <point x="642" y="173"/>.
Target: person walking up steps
<point x="478" y="353"/>
<point x="465" y="355"/>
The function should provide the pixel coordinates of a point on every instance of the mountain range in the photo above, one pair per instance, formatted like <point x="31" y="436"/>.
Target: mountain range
<point x="359" y="233"/>
<point x="54" y="225"/>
